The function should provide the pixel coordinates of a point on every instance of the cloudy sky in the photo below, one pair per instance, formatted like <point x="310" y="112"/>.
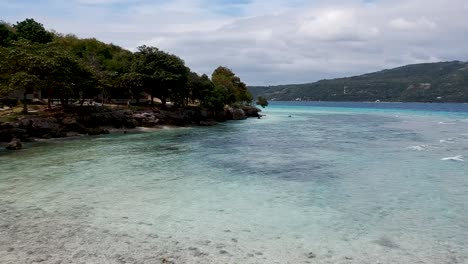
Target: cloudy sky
<point x="268" y="42"/>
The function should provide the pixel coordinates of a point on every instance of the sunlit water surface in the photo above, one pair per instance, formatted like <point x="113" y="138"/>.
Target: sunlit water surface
<point x="305" y="184"/>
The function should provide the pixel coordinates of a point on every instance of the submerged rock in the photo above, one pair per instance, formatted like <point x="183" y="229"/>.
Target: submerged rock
<point x="15" y="144"/>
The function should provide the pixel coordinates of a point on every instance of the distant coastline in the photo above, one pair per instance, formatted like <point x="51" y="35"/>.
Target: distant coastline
<point x="439" y="82"/>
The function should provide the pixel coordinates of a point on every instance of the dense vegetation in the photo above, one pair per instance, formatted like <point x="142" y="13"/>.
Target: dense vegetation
<point x="429" y="82"/>
<point x="71" y="69"/>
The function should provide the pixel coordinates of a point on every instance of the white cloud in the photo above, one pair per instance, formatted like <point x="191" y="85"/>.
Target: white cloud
<point x="270" y="41"/>
<point x="420" y="24"/>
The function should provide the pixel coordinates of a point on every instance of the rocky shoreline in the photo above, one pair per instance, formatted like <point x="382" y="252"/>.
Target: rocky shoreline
<point x="97" y="120"/>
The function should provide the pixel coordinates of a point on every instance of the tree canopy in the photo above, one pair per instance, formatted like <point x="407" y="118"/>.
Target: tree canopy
<point x="68" y="68"/>
<point x="33" y="31"/>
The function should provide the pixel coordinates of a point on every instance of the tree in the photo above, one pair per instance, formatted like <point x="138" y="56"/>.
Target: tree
<point x="200" y="87"/>
<point x="25" y="82"/>
<point x="6" y="34"/>
<point x="237" y="90"/>
<point x="215" y="100"/>
<point x="33" y="31"/>
<point x="131" y="84"/>
<point x="262" y="101"/>
<point x="16" y="71"/>
<point x="164" y="75"/>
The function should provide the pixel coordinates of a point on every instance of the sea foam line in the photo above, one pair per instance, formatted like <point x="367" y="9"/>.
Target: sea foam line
<point x="456" y="158"/>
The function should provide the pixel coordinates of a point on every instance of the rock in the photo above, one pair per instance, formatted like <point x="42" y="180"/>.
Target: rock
<point x="7" y="134"/>
<point x="311" y="255"/>
<point x="15" y="144"/>
<point x="146" y="119"/>
<point x="209" y="122"/>
<point x="42" y="127"/>
<point x="204" y="113"/>
<point x="69" y="121"/>
<point x="251" y="111"/>
<point x="238" y="114"/>
<point x="97" y="131"/>
<point x="181" y="116"/>
<point x="115" y="119"/>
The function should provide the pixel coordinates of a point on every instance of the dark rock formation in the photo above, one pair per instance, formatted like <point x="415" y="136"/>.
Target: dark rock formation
<point x="238" y="114"/>
<point x="15" y="144"/>
<point x="251" y="111"/>
<point x="94" y="120"/>
<point x="45" y="127"/>
<point x="146" y="119"/>
<point x="117" y="119"/>
<point x="96" y="131"/>
<point x="209" y="122"/>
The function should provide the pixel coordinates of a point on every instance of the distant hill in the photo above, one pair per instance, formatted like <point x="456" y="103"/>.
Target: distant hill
<point x="428" y="82"/>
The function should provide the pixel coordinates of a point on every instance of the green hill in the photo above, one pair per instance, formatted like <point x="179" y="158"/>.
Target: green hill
<point x="428" y="82"/>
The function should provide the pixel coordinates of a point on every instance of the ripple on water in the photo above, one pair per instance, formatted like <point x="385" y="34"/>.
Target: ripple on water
<point x="334" y="186"/>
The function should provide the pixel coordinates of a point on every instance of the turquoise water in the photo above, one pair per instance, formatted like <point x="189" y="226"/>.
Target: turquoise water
<point x="330" y="184"/>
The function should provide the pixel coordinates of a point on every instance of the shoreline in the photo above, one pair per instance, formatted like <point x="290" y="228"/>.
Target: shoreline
<point x="74" y="122"/>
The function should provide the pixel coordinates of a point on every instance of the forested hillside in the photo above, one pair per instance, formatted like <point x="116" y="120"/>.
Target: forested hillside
<point x="68" y="68"/>
<point x="429" y="82"/>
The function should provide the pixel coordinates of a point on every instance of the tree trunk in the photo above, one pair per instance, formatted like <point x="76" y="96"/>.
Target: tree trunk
<point x="49" y="95"/>
<point x="25" y="104"/>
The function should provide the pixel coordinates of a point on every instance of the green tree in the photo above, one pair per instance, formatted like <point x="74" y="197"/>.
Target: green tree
<point x="262" y="101"/>
<point x="131" y="84"/>
<point x="33" y="31"/>
<point x="25" y="82"/>
<point x="200" y="87"/>
<point x="164" y="75"/>
<point x="237" y="90"/>
<point x="6" y="34"/>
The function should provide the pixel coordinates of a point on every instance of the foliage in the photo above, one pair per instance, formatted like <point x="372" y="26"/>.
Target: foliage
<point x="68" y="68"/>
<point x="33" y="31"/>
<point x="7" y="34"/>
<point x="262" y="101"/>
<point x="237" y="90"/>
<point x="429" y="82"/>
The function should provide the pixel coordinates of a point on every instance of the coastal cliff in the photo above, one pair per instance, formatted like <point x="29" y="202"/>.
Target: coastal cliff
<point x="95" y="120"/>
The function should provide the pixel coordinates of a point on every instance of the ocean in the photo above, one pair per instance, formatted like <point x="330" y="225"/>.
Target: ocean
<point x="307" y="183"/>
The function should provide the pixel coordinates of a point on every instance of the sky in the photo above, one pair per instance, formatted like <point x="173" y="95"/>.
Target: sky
<point x="268" y="42"/>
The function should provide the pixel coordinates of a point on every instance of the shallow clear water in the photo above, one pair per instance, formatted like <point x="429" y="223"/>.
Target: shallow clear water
<point x="330" y="184"/>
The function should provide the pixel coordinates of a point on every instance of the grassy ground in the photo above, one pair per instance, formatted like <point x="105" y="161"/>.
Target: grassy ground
<point x="8" y="115"/>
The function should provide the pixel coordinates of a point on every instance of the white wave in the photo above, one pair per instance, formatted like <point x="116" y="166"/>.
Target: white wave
<point x="418" y="148"/>
<point x="448" y="140"/>
<point x="456" y="158"/>
<point x="443" y="123"/>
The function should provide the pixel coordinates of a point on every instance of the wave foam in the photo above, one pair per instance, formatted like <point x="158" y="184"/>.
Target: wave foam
<point x="456" y="158"/>
<point x="418" y="148"/>
<point x="448" y="140"/>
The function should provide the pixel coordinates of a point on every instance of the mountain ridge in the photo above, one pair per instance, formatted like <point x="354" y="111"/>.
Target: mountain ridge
<point x="425" y="82"/>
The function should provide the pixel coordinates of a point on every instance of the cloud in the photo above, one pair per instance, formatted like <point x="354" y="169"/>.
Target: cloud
<point x="269" y="41"/>
<point x="420" y="24"/>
